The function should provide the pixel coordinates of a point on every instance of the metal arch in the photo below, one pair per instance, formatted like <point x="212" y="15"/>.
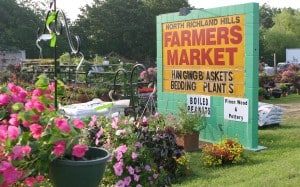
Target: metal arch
<point x="131" y="86"/>
<point x="115" y="79"/>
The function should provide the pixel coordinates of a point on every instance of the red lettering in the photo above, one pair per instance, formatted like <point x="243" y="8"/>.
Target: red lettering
<point x="175" y="40"/>
<point x="186" y="38"/>
<point x="205" y="57"/>
<point x="237" y="36"/>
<point x="167" y="38"/>
<point x="219" y="54"/>
<point x="198" y="38"/>
<point x="231" y="52"/>
<point x="210" y="36"/>
<point x="172" y="59"/>
<point x="222" y="34"/>
<point x="195" y="56"/>
<point x="184" y="59"/>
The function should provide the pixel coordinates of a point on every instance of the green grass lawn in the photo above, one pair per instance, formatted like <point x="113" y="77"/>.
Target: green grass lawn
<point x="278" y="165"/>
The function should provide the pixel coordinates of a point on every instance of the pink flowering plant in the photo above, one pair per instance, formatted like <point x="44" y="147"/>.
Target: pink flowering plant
<point x="144" y="152"/>
<point x="33" y="134"/>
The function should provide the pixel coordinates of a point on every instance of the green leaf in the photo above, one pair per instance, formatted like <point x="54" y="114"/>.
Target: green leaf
<point x="3" y="113"/>
<point x="42" y="82"/>
<point x="17" y="107"/>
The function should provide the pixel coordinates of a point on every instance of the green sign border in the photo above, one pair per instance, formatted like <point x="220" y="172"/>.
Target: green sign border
<point x="217" y="127"/>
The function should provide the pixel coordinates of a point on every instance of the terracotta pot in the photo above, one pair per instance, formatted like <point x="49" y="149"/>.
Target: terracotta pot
<point x="190" y="141"/>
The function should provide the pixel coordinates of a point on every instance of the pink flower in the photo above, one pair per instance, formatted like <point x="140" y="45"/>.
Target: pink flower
<point x="120" y="183"/>
<point x="147" y="168"/>
<point x="127" y="181"/>
<point x="9" y="173"/>
<point x="14" y="120"/>
<point x="136" y="177"/>
<point x="115" y="123"/>
<point x="26" y="123"/>
<point x="144" y="119"/>
<point x="98" y="136"/>
<point x="36" y="130"/>
<point x="26" y="149"/>
<point x="59" y="148"/>
<point x="121" y="148"/>
<point x="78" y="123"/>
<point x="35" y="104"/>
<point x="155" y="175"/>
<point x="39" y="106"/>
<point x="118" y="168"/>
<point x="79" y="150"/>
<point x="13" y="132"/>
<point x="138" y="145"/>
<point x="62" y="124"/>
<point x="4" y="99"/>
<point x="40" y="178"/>
<point x="37" y="92"/>
<point x="130" y="170"/>
<point x="134" y="155"/>
<point x="17" y="153"/>
<point x="29" y="181"/>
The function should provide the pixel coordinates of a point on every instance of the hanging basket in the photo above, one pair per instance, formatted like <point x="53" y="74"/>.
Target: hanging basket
<point x="87" y="173"/>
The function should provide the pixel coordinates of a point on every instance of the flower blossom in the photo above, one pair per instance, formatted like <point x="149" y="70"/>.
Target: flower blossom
<point x="59" y="148"/>
<point x="36" y="130"/>
<point x="134" y="155"/>
<point x="78" y="123"/>
<point x="29" y="181"/>
<point x="4" y="99"/>
<point x="79" y="150"/>
<point x="115" y="123"/>
<point x="118" y="168"/>
<point x="62" y="124"/>
<point x="13" y="132"/>
<point x="9" y="173"/>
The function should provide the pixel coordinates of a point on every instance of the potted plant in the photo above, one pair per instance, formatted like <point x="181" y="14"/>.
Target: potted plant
<point x="284" y="89"/>
<point x="261" y="93"/>
<point x="276" y="92"/>
<point x="35" y="138"/>
<point x="144" y="152"/>
<point x="188" y="128"/>
<point x="227" y="151"/>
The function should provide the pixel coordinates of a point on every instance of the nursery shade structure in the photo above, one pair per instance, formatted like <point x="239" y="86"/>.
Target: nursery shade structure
<point x="55" y="23"/>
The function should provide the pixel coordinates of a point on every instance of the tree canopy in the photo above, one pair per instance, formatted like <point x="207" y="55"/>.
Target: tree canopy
<point x="129" y="28"/>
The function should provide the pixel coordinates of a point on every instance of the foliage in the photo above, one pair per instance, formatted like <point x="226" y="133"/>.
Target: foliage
<point x="283" y="88"/>
<point x="133" y="33"/>
<point x="280" y="158"/>
<point x="190" y="121"/>
<point x="228" y="151"/>
<point x="33" y="133"/>
<point x="142" y="154"/>
<point x="261" y="91"/>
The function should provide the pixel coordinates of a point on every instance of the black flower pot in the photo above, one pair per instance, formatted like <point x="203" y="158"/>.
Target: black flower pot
<point x="87" y="173"/>
<point x="276" y="93"/>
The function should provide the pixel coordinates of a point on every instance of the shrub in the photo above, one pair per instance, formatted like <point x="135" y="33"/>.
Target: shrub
<point x="228" y="151"/>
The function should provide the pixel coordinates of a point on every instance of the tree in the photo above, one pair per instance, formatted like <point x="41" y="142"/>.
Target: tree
<point x="125" y="27"/>
<point x="17" y="27"/>
<point x="284" y="34"/>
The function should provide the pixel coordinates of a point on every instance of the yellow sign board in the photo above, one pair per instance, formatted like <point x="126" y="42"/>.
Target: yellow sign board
<point x="205" y="56"/>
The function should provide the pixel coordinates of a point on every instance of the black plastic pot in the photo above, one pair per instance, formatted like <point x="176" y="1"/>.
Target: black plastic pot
<point x="276" y="93"/>
<point x="86" y="173"/>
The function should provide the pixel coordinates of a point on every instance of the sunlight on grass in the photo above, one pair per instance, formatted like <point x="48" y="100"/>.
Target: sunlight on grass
<point x="276" y="166"/>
